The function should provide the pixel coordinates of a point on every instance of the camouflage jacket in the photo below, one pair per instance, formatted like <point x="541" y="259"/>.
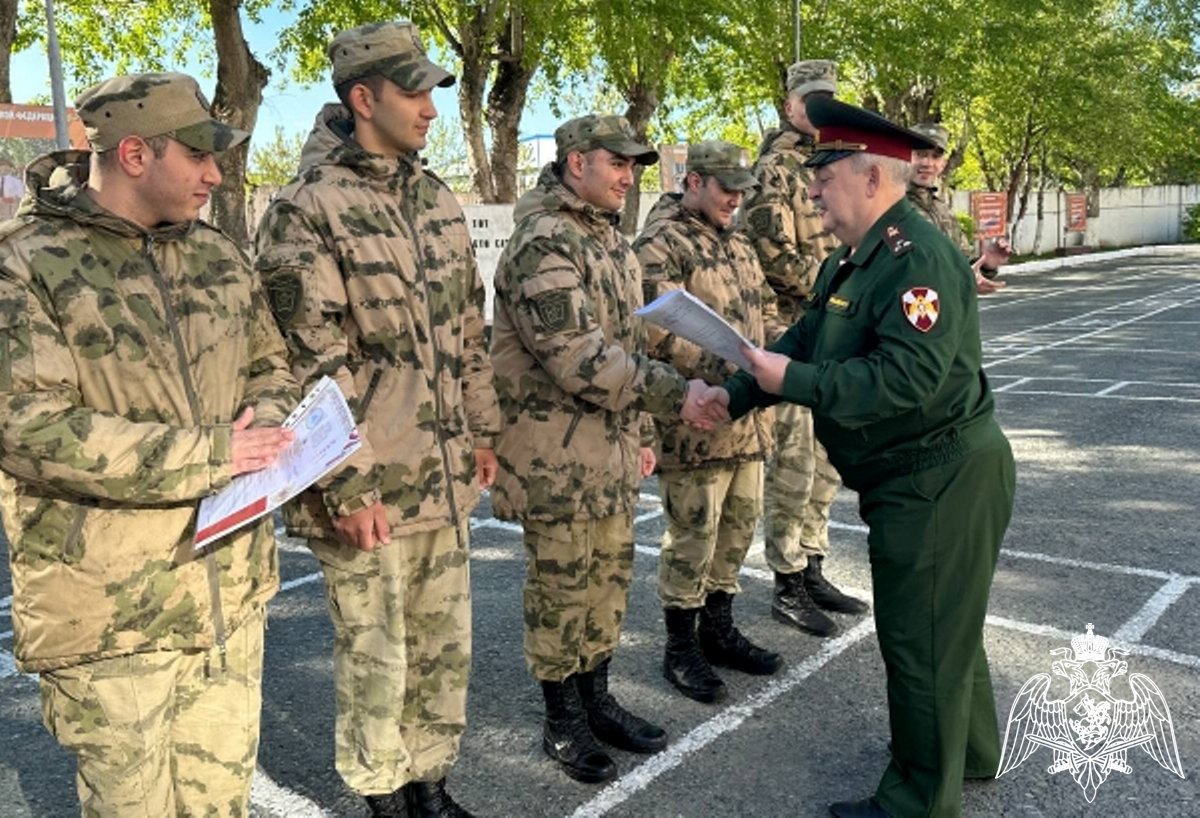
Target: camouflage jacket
<point x="370" y="273"/>
<point x="680" y="249"/>
<point x="783" y="224"/>
<point x="124" y="357"/>
<point x="937" y="210"/>
<point x="571" y="372"/>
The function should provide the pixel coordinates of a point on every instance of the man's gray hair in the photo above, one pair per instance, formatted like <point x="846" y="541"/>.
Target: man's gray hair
<point x="897" y="170"/>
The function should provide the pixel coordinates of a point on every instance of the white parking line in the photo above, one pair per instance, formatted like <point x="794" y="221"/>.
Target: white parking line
<point x="1155" y="607"/>
<point x="724" y="722"/>
<point x="270" y="800"/>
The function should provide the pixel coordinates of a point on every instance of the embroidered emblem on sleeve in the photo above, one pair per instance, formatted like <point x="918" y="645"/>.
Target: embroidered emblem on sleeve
<point x="921" y="307"/>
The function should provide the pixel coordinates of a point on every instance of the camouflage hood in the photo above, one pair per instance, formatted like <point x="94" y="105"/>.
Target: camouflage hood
<point x="331" y="142"/>
<point x="551" y="196"/>
<point x="785" y="139"/>
<point x="125" y="354"/>
<point x="55" y="187"/>
<point x="679" y="248"/>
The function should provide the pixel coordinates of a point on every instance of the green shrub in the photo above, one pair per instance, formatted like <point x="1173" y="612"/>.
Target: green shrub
<point x="1191" y="224"/>
<point x="967" y="224"/>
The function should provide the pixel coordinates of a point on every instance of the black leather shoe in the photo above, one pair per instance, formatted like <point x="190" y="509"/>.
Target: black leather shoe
<point x="866" y="808"/>
<point x="429" y="799"/>
<point x="826" y="594"/>
<point x="612" y="723"/>
<point x="726" y="646"/>
<point x="793" y="606"/>
<point x="684" y="664"/>
<point x="566" y="737"/>
<point x="392" y="805"/>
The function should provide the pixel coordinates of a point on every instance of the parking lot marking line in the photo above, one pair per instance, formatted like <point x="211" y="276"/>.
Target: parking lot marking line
<point x="1060" y="635"/>
<point x="5" y="603"/>
<point x="724" y="722"/>
<point x="1145" y="619"/>
<point x="1077" y="338"/>
<point x="1009" y="386"/>
<point x="298" y="581"/>
<point x="1108" y="390"/>
<point x="1107" y="567"/>
<point x="8" y="665"/>
<point x="6" y="635"/>
<point x="279" y="801"/>
<point x="1089" y="347"/>
<point x="1053" y="393"/>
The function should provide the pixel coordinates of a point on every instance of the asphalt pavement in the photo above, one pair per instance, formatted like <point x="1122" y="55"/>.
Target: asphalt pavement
<point x="1096" y="370"/>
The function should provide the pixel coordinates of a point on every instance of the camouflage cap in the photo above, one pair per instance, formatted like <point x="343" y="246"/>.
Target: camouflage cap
<point x="613" y="133"/>
<point x="390" y="50"/>
<point x="937" y="134"/>
<point x="807" y="76"/>
<point x="725" y="162"/>
<point x="149" y="105"/>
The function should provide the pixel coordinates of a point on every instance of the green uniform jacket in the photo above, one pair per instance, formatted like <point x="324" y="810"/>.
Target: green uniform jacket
<point x="125" y="354"/>
<point x="370" y="272"/>
<point x="681" y="249"/>
<point x="572" y="374"/>
<point x="892" y="388"/>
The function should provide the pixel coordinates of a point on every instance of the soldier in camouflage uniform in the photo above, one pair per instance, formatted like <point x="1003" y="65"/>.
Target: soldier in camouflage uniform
<point x="573" y="381"/>
<point x="135" y="353"/>
<point x="370" y="273"/>
<point x="711" y="482"/>
<point x="928" y="166"/>
<point x="786" y="230"/>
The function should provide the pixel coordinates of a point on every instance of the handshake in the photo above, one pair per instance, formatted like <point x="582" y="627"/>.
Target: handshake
<point x="706" y="407"/>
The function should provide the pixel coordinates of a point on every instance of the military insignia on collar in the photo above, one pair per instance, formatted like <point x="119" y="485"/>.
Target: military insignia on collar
<point x="921" y="307"/>
<point x="896" y="241"/>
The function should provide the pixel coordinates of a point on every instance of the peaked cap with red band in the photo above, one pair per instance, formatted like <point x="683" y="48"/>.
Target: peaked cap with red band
<point x="845" y="130"/>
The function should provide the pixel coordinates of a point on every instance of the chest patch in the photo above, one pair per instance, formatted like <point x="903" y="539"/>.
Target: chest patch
<point x="921" y="307"/>
<point x="837" y="303"/>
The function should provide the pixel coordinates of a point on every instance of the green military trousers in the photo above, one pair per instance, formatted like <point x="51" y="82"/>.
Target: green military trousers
<point x="577" y="578"/>
<point x="934" y="539"/>
<point x="164" y="733"/>
<point x="401" y="656"/>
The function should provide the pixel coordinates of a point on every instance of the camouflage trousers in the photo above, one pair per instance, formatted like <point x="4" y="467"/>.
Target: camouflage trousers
<point x="168" y="733"/>
<point x="401" y="657"/>
<point x="711" y="516"/>
<point x="800" y="487"/>
<point x="577" y="582"/>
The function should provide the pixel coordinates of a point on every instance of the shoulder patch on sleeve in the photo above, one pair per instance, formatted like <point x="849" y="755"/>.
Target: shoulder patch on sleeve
<point x="285" y="292"/>
<point x="553" y="309"/>
<point x="896" y="241"/>
<point x="921" y="307"/>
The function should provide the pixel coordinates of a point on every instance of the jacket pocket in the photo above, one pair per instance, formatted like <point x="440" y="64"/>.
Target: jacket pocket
<point x="368" y="396"/>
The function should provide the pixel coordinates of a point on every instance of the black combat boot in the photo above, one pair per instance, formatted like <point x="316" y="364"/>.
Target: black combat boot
<point x="684" y="664"/>
<point x="825" y="593"/>
<point x="793" y="606"/>
<point x="429" y="799"/>
<point x="566" y="737"/>
<point x="866" y="808"/>
<point x="725" y="646"/>
<point x="392" y="805"/>
<point x="612" y="723"/>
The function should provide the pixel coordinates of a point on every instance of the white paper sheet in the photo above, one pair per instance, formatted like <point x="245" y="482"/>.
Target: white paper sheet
<point x="681" y="313"/>
<point x="325" y="436"/>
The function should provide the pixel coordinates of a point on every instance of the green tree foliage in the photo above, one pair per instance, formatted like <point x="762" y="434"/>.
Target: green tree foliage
<point x="273" y="163"/>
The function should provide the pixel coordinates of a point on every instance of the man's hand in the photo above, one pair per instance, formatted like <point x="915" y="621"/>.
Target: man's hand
<point x="365" y="529"/>
<point x="987" y="286"/>
<point x="648" y="460"/>
<point x="769" y="368"/>
<point x="996" y="253"/>
<point x="701" y="413"/>
<point x="486" y="467"/>
<point x="254" y="449"/>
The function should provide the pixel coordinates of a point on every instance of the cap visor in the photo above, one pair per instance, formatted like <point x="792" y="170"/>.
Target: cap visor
<point x="827" y="157"/>
<point x="420" y="76"/>
<point x="627" y="147"/>
<point x="210" y="136"/>
<point x="736" y="180"/>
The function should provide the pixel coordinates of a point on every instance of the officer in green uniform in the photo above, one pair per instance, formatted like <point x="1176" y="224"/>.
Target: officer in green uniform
<point x="889" y="359"/>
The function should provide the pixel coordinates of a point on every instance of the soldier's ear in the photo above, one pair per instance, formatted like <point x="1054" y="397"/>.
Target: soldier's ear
<point x="362" y="101"/>
<point x="575" y="163"/>
<point x="133" y="154"/>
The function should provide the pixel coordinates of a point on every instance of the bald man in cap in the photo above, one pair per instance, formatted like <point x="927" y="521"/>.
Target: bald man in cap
<point x="370" y="273"/>
<point x="139" y="373"/>
<point x="929" y="165"/>
<point x="785" y="228"/>
<point x="889" y="359"/>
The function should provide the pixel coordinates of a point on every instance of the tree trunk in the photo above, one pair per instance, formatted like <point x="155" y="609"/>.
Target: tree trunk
<point x="506" y="103"/>
<point x="476" y="64"/>
<point x="240" y="82"/>
<point x="8" y="33"/>
<point x="643" y="102"/>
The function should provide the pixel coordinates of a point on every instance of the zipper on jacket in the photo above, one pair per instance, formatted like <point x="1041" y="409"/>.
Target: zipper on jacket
<point x="571" y="428"/>
<point x="437" y="380"/>
<point x="369" y="395"/>
<point x="214" y="580"/>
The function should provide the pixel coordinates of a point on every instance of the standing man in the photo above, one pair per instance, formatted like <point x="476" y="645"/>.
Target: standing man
<point x="371" y="275"/>
<point x="889" y="359"/>
<point x="710" y="481"/>
<point x="929" y="164"/>
<point x="136" y="355"/>
<point x="573" y="381"/>
<point x="786" y="230"/>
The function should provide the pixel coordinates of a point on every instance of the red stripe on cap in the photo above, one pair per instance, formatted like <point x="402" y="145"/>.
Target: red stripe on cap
<point x="897" y="146"/>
